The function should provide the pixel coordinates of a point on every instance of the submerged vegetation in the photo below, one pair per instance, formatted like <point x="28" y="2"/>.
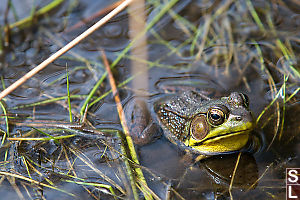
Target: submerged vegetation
<point x="61" y="133"/>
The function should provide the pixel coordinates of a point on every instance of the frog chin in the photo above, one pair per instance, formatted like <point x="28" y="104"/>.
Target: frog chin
<point x="222" y="140"/>
<point x="222" y="144"/>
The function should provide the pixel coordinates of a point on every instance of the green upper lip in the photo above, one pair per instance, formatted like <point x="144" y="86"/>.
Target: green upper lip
<point x="210" y="138"/>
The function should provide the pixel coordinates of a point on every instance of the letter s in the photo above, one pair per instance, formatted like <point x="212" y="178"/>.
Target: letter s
<point x="293" y="173"/>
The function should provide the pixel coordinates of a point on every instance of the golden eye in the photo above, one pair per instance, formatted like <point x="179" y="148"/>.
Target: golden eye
<point x="199" y="127"/>
<point x="216" y="116"/>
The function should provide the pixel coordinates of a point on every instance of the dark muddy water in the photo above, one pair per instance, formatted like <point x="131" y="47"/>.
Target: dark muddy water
<point x="214" y="47"/>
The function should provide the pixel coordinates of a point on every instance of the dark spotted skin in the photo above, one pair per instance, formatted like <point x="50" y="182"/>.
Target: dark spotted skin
<point x="173" y="122"/>
<point x="177" y="112"/>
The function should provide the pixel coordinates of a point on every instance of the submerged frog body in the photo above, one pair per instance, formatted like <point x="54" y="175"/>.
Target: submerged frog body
<point x="206" y="126"/>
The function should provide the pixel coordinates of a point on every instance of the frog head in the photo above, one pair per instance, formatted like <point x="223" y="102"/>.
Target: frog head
<point x="208" y="127"/>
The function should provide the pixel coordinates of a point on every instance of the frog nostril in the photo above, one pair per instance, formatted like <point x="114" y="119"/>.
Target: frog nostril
<point x="238" y="118"/>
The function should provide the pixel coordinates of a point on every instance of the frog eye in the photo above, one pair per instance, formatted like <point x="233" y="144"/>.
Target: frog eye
<point x="217" y="115"/>
<point x="199" y="127"/>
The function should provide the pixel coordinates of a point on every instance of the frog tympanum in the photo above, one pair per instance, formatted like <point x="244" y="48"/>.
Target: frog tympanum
<point x="202" y="126"/>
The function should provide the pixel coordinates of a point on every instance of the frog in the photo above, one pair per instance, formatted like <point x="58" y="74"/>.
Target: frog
<point x="196" y="123"/>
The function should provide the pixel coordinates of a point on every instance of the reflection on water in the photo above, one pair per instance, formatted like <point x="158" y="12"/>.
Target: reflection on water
<point x="211" y="46"/>
<point x="207" y="178"/>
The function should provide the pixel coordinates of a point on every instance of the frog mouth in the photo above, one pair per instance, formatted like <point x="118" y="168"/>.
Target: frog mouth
<point x="218" y="137"/>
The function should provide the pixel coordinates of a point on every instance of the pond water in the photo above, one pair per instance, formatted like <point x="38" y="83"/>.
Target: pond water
<point x="212" y="47"/>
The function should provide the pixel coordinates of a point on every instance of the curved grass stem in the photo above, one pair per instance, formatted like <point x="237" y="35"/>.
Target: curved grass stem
<point x="128" y="138"/>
